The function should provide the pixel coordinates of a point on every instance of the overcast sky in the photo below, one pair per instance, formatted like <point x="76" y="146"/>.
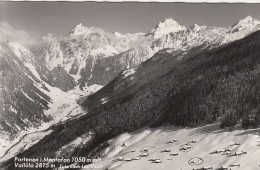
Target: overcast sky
<point x="41" y="18"/>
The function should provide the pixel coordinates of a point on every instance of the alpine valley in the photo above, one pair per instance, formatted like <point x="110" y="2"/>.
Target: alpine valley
<point x="97" y="94"/>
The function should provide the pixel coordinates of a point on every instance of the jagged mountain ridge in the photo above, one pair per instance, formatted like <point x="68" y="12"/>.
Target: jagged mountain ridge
<point x="94" y="56"/>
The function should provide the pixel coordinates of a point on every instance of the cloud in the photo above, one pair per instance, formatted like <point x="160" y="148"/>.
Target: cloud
<point x="9" y="33"/>
<point x="49" y="37"/>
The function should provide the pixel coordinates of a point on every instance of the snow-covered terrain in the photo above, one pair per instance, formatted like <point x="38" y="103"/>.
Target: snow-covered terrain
<point x="208" y="144"/>
<point x="23" y="143"/>
<point x="64" y="106"/>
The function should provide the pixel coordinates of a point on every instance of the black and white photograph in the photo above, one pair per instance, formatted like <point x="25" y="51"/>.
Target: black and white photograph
<point x="129" y="85"/>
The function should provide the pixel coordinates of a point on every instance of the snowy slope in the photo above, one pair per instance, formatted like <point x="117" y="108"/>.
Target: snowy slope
<point x="209" y="138"/>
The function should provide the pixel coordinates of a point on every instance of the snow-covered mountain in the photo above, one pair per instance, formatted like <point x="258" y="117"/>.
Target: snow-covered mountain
<point x="23" y="100"/>
<point x="94" y="56"/>
<point x="83" y="46"/>
<point x="204" y="36"/>
<point x="241" y="28"/>
<point x="166" y="27"/>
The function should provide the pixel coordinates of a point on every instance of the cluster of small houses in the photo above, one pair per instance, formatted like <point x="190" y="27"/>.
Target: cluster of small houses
<point x="186" y="147"/>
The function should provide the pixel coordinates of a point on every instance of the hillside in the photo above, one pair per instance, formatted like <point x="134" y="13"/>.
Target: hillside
<point x="209" y="139"/>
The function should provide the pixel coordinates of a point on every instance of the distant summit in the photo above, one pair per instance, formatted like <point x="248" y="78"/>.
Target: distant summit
<point x="247" y="22"/>
<point x="167" y="26"/>
<point x="79" y="29"/>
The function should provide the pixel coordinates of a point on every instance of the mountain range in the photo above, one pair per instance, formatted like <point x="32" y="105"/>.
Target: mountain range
<point x="94" y="56"/>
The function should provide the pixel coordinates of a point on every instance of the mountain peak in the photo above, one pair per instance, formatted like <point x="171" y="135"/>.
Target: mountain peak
<point x="79" y="29"/>
<point x="246" y="22"/>
<point x="167" y="26"/>
<point x="169" y="21"/>
<point x="196" y="27"/>
<point x="248" y="19"/>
